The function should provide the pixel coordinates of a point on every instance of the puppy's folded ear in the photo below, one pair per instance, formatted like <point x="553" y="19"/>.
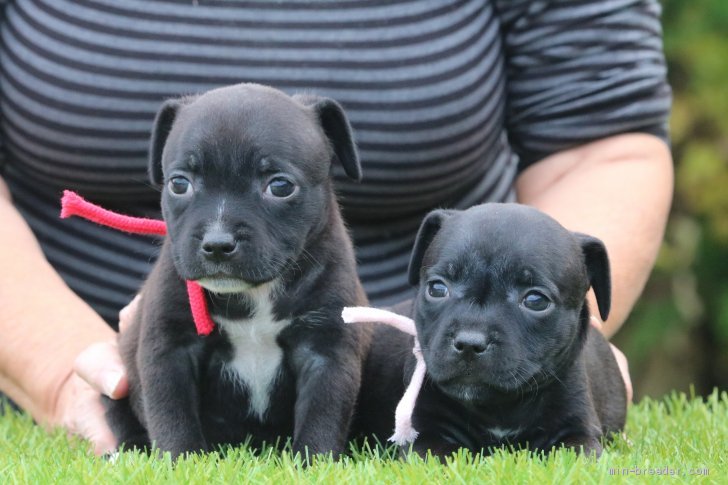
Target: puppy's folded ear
<point x="160" y="131"/>
<point x="429" y="228"/>
<point x="597" y="267"/>
<point x="337" y="129"/>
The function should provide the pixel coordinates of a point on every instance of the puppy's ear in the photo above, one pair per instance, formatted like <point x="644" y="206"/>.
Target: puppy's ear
<point x="160" y="131"/>
<point x="429" y="228"/>
<point x="337" y="129"/>
<point x="597" y="267"/>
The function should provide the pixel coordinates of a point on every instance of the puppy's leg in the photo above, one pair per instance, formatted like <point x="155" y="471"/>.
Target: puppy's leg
<point x="584" y="444"/>
<point x="435" y="445"/>
<point x="171" y="400"/>
<point x="127" y="429"/>
<point x="327" y="390"/>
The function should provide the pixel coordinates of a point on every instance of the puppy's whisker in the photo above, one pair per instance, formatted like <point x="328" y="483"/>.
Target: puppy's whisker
<point x="227" y="304"/>
<point x="550" y="373"/>
<point x="520" y="382"/>
<point x="290" y="263"/>
<point x="305" y="260"/>
<point x="515" y="379"/>
<point x="310" y="257"/>
<point x="535" y="381"/>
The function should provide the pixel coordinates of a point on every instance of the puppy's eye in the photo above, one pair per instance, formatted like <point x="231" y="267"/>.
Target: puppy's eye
<point x="179" y="185"/>
<point x="437" y="289"/>
<point x="536" y="301"/>
<point x="280" y="187"/>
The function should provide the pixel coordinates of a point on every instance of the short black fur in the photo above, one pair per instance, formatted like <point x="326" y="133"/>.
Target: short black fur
<point x="289" y="258"/>
<point x="499" y="372"/>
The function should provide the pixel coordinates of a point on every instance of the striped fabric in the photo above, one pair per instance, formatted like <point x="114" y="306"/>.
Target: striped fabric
<point x="448" y="99"/>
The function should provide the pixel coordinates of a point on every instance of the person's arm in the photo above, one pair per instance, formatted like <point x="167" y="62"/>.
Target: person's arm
<point x="44" y="326"/>
<point x="618" y="189"/>
<point x="586" y="112"/>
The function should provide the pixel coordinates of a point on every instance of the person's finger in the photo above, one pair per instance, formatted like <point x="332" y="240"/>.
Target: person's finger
<point x="596" y="322"/>
<point x="101" y="367"/>
<point x="126" y="314"/>
<point x="624" y="370"/>
<point x="85" y="416"/>
<point x="92" y="425"/>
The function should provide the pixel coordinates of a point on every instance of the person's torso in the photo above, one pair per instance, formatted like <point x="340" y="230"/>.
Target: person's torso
<point x="80" y="81"/>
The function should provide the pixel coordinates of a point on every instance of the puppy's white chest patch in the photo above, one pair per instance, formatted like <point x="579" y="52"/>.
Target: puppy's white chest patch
<point x="256" y="360"/>
<point x="501" y="433"/>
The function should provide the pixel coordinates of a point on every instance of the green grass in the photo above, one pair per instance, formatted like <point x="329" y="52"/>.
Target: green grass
<point x="678" y="432"/>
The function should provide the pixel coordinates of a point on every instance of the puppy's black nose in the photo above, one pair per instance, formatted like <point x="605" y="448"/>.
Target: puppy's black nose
<point x="218" y="245"/>
<point x="469" y="343"/>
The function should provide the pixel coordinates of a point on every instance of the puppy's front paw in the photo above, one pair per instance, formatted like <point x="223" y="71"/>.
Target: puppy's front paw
<point x="112" y="457"/>
<point x="586" y="445"/>
<point x="182" y="451"/>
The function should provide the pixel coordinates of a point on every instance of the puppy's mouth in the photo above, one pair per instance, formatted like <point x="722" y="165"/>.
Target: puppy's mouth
<point x="225" y="284"/>
<point x="474" y="391"/>
<point x="468" y="384"/>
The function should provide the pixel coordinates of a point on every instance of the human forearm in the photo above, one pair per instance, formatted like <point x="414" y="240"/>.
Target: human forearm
<point x="43" y="324"/>
<point x="618" y="189"/>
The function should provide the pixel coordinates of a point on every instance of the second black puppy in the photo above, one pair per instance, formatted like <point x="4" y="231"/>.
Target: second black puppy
<point x="252" y="217"/>
<point x="504" y="328"/>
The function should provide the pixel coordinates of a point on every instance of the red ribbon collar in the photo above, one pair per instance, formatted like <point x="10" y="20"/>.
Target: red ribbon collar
<point x="73" y="204"/>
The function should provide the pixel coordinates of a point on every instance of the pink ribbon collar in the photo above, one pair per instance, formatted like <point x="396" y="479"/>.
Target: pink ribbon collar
<point x="73" y="204"/>
<point x="404" y="432"/>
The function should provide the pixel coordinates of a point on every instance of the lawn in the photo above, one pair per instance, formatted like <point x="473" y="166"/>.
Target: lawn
<point x="678" y="434"/>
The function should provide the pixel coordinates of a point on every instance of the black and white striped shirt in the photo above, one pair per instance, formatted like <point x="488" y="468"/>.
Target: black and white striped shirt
<point x="449" y="99"/>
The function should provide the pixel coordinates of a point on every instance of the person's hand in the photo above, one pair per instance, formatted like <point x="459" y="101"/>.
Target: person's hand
<point x="97" y="369"/>
<point x="620" y="358"/>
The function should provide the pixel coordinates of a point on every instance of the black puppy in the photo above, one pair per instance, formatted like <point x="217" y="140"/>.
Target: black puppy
<point x="504" y="327"/>
<point x="252" y="217"/>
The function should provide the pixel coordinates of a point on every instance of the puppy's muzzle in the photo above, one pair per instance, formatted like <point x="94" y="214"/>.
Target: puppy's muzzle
<point x="218" y="246"/>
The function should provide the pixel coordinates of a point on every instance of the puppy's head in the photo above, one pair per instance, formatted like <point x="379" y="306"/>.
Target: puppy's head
<point x="500" y="305"/>
<point x="245" y="178"/>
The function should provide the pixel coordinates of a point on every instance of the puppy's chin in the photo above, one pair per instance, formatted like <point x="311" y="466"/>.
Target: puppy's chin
<point x="234" y="276"/>
<point x="464" y="393"/>
<point x="474" y="388"/>
<point x="479" y="393"/>
<point x="226" y="285"/>
<point x="226" y="277"/>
